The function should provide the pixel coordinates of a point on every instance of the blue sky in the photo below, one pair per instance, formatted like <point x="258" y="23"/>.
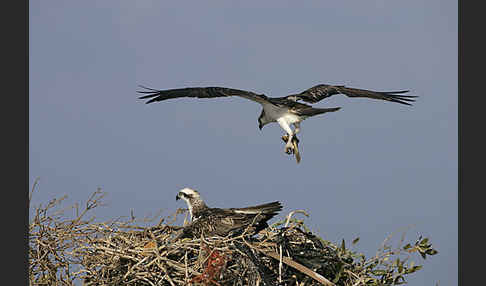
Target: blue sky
<point x="368" y="170"/>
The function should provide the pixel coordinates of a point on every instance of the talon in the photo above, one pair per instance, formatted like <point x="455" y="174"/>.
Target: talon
<point x="289" y="149"/>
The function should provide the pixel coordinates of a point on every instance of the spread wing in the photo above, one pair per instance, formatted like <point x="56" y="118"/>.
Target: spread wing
<point x="198" y="92"/>
<point x="321" y="91"/>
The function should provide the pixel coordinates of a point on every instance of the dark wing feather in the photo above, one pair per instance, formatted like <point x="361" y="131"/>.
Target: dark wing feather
<point x="287" y="102"/>
<point x="321" y="91"/>
<point x="198" y="92"/>
<point x="221" y="222"/>
<point x="298" y="108"/>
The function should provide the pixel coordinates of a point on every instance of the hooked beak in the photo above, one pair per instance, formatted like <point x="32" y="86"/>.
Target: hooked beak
<point x="177" y="197"/>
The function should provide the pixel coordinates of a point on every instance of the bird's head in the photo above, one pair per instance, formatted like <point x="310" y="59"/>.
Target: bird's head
<point x="188" y="195"/>
<point x="193" y="201"/>
<point x="262" y="120"/>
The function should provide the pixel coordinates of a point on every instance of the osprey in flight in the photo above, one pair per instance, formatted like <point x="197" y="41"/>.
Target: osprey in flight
<point x="221" y="222"/>
<point x="286" y="111"/>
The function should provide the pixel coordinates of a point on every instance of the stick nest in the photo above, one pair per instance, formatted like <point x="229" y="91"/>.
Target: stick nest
<point x="64" y="251"/>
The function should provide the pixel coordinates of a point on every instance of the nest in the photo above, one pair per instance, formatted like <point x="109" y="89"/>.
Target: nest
<point x="63" y="251"/>
<point x="285" y="255"/>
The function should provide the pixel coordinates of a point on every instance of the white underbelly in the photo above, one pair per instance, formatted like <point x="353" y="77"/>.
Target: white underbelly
<point x="292" y="118"/>
<point x="274" y="112"/>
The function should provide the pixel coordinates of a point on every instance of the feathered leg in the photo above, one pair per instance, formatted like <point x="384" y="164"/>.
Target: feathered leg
<point x="289" y="147"/>
<point x="296" y="128"/>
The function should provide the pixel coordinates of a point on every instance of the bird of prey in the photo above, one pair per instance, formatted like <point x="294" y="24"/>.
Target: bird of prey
<point x="221" y="222"/>
<point x="286" y="111"/>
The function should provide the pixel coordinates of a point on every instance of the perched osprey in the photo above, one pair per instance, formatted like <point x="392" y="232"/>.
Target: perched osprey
<point x="286" y="111"/>
<point x="221" y="222"/>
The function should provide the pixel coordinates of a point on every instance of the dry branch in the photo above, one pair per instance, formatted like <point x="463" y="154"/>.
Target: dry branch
<point x="120" y="252"/>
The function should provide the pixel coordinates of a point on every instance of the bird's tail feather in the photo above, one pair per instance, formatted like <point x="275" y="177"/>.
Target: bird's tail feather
<point x="268" y="208"/>
<point x="314" y="111"/>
